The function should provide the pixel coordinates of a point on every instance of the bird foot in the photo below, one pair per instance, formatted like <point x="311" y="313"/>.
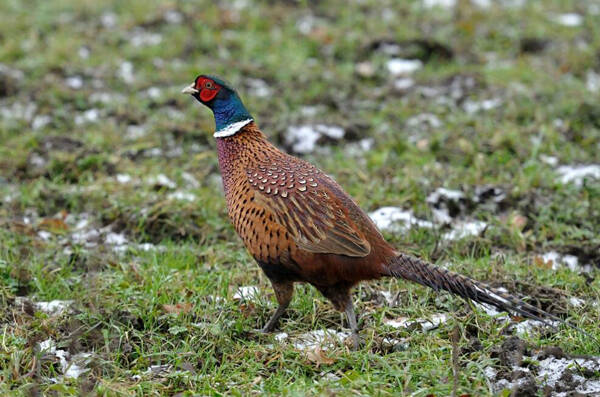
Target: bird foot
<point x="353" y="342"/>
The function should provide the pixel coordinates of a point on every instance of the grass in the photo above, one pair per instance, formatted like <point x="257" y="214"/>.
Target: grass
<point x="94" y="90"/>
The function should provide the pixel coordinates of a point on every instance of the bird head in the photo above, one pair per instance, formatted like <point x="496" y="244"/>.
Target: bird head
<point x="219" y="97"/>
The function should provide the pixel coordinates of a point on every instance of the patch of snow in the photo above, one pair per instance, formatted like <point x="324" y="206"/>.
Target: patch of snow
<point x="442" y="193"/>
<point x="395" y="219"/>
<point x="89" y="116"/>
<point x="399" y="66"/>
<point x="181" y="195"/>
<point x="389" y="297"/>
<point x="40" y="121"/>
<point x="303" y="138"/>
<point x="259" y="88"/>
<point x="106" y="97"/>
<point x="550" y="160"/>
<point x="140" y="37"/>
<point x="592" y="81"/>
<point x="135" y="131"/>
<point x="156" y="370"/>
<point x="190" y="180"/>
<point x="472" y="107"/>
<point x="74" y="82"/>
<point x="44" y="235"/>
<point x="281" y="336"/>
<point x="403" y="83"/>
<point x="574" y="301"/>
<point x="246" y="293"/>
<point x="572" y="262"/>
<point x="83" y="52"/>
<point x="439" y="3"/>
<point x="123" y="178"/>
<point x="55" y="307"/>
<point x="18" y="111"/>
<point x="527" y="326"/>
<point x="465" y="229"/>
<point x="482" y="3"/>
<point x="319" y="338"/>
<point x="162" y="180"/>
<point x="108" y="20"/>
<point x="424" y="119"/>
<point x="173" y="17"/>
<point x="576" y="174"/>
<point x="125" y="72"/>
<point x="426" y="324"/>
<point x="116" y="239"/>
<point x="569" y="19"/>
<point x="365" y="69"/>
<point x="550" y="373"/>
<point x="153" y="92"/>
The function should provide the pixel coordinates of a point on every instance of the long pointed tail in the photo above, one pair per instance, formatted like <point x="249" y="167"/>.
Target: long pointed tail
<point x="424" y="273"/>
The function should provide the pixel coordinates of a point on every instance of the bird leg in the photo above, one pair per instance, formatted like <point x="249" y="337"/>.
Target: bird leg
<point x="351" y="316"/>
<point x="283" y="292"/>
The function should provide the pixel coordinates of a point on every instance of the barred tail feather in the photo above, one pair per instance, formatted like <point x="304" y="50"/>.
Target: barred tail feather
<point x="424" y="273"/>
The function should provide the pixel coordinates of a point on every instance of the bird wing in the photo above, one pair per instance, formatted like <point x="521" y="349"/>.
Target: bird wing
<point x="301" y="201"/>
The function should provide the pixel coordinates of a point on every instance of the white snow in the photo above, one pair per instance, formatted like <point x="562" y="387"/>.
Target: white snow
<point x="182" y="196"/>
<point x="439" y="3"/>
<point x="395" y="219"/>
<point x="426" y="324"/>
<point x="123" y="178"/>
<point x="592" y="81"/>
<point x="465" y="229"/>
<point x="162" y="180"/>
<point x="550" y="372"/>
<point x="399" y="66"/>
<point x="569" y="19"/>
<point x="472" y="107"/>
<point x="74" y="82"/>
<point x="319" y="338"/>
<point x="70" y="366"/>
<point x="88" y="116"/>
<point x="441" y="192"/>
<point x="303" y="138"/>
<point x="572" y="262"/>
<point x="403" y="83"/>
<point x="550" y="160"/>
<point x="116" y="238"/>
<point x="246" y="293"/>
<point x="40" y="121"/>
<point x="576" y="174"/>
<point x="259" y="88"/>
<point x="173" y="16"/>
<point x="54" y="307"/>
<point x="424" y="119"/>
<point x="140" y="38"/>
<point x="125" y="72"/>
<point x="108" y="20"/>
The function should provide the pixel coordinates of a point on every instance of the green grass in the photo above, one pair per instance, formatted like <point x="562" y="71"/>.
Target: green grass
<point x="65" y="168"/>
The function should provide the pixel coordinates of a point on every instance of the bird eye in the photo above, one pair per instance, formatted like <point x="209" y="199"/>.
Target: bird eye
<point x="208" y="85"/>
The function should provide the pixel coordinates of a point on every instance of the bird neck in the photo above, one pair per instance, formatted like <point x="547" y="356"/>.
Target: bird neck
<point x="235" y="151"/>
<point x="230" y="115"/>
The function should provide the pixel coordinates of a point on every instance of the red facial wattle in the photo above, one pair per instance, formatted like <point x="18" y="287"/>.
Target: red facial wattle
<point x="208" y="89"/>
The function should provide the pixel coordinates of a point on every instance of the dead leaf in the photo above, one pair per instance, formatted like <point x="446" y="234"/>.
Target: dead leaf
<point x="540" y="262"/>
<point x="53" y="224"/>
<point x="182" y="307"/>
<point x="318" y="357"/>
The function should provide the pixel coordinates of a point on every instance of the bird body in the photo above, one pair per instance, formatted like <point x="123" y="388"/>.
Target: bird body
<point x="300" y="225"/>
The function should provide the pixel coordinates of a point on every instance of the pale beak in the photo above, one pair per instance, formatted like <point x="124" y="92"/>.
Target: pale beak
<point x="190" y="90"/>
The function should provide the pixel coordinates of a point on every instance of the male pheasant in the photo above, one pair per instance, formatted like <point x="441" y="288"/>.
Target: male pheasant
<point x="301" y="226"/>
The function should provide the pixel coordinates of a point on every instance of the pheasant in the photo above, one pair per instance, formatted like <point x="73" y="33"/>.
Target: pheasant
<point x="300" y="225"/>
